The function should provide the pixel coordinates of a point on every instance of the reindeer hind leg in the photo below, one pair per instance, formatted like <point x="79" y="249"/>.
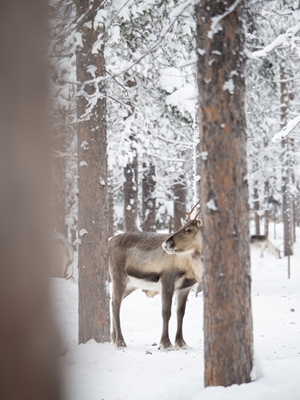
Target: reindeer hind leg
<point x="119" y="291"/>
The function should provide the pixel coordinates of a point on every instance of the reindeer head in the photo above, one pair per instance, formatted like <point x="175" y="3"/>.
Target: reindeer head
<point x="188" y="239"/>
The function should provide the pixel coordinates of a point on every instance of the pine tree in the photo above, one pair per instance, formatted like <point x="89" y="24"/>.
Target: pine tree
<point x="228" y="346"/>
<point x="92" y="165"/>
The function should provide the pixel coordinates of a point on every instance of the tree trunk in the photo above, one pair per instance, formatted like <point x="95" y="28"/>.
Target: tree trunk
<point x="29" y="343"/>
<point x="256" y="210"/>
<point x="179" y="191"/>
<point x="285" y="171"/>
<point x="59" y="145"/>
<point x="93" y="197"/>
<point x="131" y="195"/>
<point x="266" y="216"/>
<point x="228" y="346"/>
<point x="110" y="211"/>
<point x="149" y="200"/>
<point x="131" y="169"/>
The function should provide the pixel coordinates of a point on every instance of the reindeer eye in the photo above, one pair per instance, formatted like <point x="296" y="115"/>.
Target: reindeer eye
<point x="189" y="230"/>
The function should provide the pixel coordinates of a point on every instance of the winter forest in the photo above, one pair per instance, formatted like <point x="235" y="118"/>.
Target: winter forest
<point x="174" y="124"/>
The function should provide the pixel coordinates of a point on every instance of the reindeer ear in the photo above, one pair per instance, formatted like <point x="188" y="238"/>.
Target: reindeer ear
<point x="183" y="221"/>
<point x="199" y="223"/>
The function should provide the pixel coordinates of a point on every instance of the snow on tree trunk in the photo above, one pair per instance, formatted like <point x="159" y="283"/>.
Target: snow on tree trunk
<point x="29" y="345"/>
<point x="148" y="199"/>
<point x="93" y="197"/>
<point x="228" y="337"/>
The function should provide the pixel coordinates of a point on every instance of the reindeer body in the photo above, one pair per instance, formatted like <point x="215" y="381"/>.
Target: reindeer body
<point x="262" y="242"/>
<point x="62" y="256"/>
<point x="138" y="260"/>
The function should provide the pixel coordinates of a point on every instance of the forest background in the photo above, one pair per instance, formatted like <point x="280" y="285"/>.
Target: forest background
<point x="148" y="94"/>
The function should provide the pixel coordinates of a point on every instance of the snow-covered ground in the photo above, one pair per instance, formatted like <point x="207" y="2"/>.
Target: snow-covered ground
<point x="141" y="372"/>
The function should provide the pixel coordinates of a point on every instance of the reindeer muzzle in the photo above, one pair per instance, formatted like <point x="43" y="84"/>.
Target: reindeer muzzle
<point x="167" y="246"/>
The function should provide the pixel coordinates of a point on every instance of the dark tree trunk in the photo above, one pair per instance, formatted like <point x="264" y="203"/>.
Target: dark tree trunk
<point x="131" y="169"/>
<point x="59" y="145"/>
<point x="93" y="197"/>
<point x="266" y="216"/>
<point x="29" y="344"/>
<point x="179" y="190"/>
<point x="149" y="200"/>
<point x="285" y="172"/>
<point x="110" y="211"/>
<point x="228" y="347"/>
<point x="256" y="210"/>
<point x="131" y="196"/>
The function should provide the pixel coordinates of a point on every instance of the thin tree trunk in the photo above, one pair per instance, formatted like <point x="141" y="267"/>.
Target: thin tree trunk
<point x="29" y="343"/>
<point x="93" y="197"/>
<point x="149" y="200"/>
<point x="131" y="169"/>
<point x="179" y="190"/>
<point x="59" y="145"/>
<point x="285" y="172"/>
<point x="131" y="196"/>
<point x="228" y="341"/>
<point x="266" y="216"/>
<point x="256" y="210"/>
<point x="110" y="211"/>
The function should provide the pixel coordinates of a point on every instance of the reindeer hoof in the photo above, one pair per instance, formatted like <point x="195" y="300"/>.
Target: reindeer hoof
<point x="120" y="344"/>
<point x="180" y="344"/>
<point x="165" y="345"/>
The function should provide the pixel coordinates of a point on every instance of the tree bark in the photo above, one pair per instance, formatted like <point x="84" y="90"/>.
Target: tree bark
<point x="149" y="200"/>
<point x="228" y="347"/>
<point x="29" y="343"/>
<point x="93" y="196"/>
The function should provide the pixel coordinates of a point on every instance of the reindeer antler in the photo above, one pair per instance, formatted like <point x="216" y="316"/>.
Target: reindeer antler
<point x="192" y="210"/>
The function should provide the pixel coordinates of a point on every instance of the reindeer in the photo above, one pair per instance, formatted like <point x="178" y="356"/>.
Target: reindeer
<point x="62" y="256"/>
<point x="262" y="242"/>
<point x="156" y="262"/>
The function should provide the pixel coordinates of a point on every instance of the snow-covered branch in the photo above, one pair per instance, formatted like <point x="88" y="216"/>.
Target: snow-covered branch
<point x="284" y="132"/>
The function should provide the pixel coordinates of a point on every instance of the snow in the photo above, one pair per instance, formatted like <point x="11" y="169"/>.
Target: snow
<point x="211" y="205"/>
<point x="171" y="79"/>
<point x="284" y="132"/>
<point x="84" y="145"/>
<point x="98" y="371"/>
<point x="185" y="98"/>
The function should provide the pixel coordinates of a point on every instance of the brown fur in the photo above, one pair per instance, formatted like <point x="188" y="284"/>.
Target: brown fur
<point x="143" y="260"/>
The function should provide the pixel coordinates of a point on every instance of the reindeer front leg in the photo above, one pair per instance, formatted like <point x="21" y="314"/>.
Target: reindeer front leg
<point x="181" y="304"/>
<point x="166" y="296"/>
